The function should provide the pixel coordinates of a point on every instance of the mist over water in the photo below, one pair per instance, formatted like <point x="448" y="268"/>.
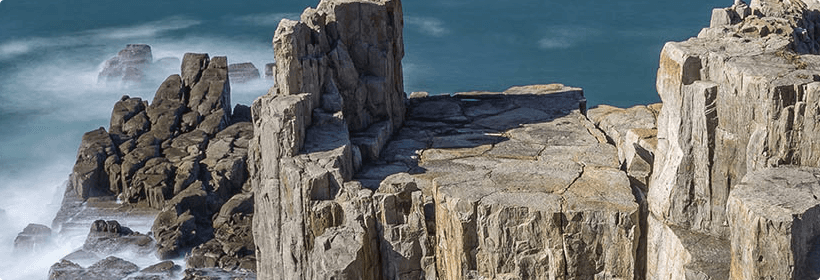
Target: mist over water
<point x="51" y="53"/>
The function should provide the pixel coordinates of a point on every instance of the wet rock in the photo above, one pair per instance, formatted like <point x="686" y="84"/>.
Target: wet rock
<point x="238" y="204"/>
<point x="109" y="268"/>
<point x="174" y="233"/>
<point x="66" y="270"/>
<point x="161" y="271"/>
<point x="109" y="237"/>
<point x="216" y="273"/>
<point x="242" y="72"/>
<point x="241" y="113"/>
<point x="34" y="238"/>
<point x="124" y="110"/>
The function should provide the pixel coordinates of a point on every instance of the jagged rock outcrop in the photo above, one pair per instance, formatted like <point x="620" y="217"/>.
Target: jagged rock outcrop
<point x="337" y="71"/>
<point x="739" y="98"/>
<point x="243" y="72"/>
<point x="480" y="184"/>
<point x="347" y="48"/>
<point x="129" y="65"/>
<point x="184" y="154"/>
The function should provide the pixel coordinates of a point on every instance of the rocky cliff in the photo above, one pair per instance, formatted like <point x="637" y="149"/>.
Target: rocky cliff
<point x="339" y="175"/>
<point x="739" y="100"/>
<point x="178" y="163"/>
<point x="353" y="181"/>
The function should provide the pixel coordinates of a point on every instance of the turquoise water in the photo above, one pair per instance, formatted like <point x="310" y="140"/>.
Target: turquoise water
<point x="51" y="51"/>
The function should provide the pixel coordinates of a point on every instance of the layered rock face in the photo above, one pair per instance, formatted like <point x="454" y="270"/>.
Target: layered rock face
<point x="345" y="49"/>
<point x="738" y="99"/>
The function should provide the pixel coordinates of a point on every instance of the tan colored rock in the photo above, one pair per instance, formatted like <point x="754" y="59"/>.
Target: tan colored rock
<point x="676" y="253"/>
<point x="363" y="64"/>
<point x="407" y="245"/>
<point x="503" y="196"/>
<point x="773" y="216"/>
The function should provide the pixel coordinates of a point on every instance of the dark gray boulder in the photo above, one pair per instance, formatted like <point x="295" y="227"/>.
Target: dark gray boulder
<point x="89" y="177"/>
<point x="106" y="269"/>
<point x="109" y="237"/>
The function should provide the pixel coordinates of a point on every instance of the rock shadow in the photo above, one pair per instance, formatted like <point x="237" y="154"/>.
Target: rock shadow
<point x="506" y="125"/>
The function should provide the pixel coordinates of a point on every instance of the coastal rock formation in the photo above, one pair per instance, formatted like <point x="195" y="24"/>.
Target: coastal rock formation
<point x="480" y="184"/>
<point x="738" y="99"/>
<point x="774" y="219"/>
<point x="336" y="174"/>
<point x="32" y="239"/>
<point x="184" y="155"/>
<point x="242" y="72"/>
<point x="109" y="268"/>
<point x="129" y="65"/>
<point x="109" y="237"/>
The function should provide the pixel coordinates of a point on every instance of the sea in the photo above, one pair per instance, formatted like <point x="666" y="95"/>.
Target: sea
<point x="52" y="51"/>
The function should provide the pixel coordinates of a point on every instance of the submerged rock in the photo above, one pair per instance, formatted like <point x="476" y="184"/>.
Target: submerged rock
<point x="243" y="72"/>
<point x="34" y="238"/>
<point x="129" y="65"/>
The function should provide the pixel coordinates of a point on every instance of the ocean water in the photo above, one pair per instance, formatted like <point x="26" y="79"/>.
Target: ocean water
<point x="51" y="52"/>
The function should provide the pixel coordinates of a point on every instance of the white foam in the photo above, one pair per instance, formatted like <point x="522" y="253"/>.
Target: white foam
<point x="427" y="25"/>
<point x="146" y="30"/>
<point x="563" y="37"/>
<point x="96" y="36"/>
<point x="269" y="19"/>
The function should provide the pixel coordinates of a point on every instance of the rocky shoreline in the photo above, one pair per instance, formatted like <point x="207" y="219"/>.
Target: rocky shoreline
<point x="337" y="173"/>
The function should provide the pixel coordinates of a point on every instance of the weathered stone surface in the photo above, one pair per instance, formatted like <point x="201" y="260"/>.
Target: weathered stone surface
<point x="730" y="106"/>
<point x="773" y="216"/>
<point x="217" y="273"/>
<point x="129" y="65"/>
<point x="159" y="271"/>
<point x="362" y="63"/>
<point x="109" y="237"/>
<point x="242" y="72"/>
<point x="737" y="99"/>
<point x="676" y="253"/>
<point x="406" y="244"/>
<point x="89" y="177"/>
<point x="109" y="268"/>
